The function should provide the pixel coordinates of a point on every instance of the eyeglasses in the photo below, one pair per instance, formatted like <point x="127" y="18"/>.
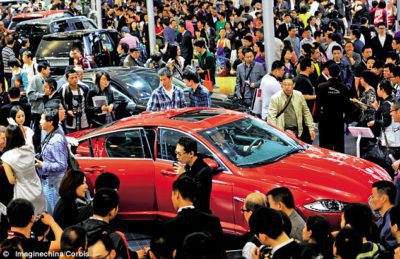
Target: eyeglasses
<point x="244" y="210"/>
<point x="179" y="154"/>
<point x="100" y="256"/>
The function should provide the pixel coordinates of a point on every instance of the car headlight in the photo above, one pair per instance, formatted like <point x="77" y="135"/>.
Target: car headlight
<point x="325" y="206"/>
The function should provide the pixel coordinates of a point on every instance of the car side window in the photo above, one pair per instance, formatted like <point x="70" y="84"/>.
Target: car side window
<point x="84" y="149"/>
<point x="167" y="140"/>
<point x="125" y="144"/>
<point x="79" y="25"/>
<point x="88" y="25"/>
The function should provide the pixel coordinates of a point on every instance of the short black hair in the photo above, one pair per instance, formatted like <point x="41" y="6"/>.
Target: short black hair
<point x="320" y="228"/>
<point x="105" y="200"/>
<point x="386" y="187"/>
<point x="304" y="63"/>
<point x="124" y="47"/>
<point x="336" y="47"/>
<point x="190" y="75"/>
<point x="369" y="77"/>
<point x="334" y="71"/>
<point x="69" y="71"/>
<point x="10" y="40"/>
<point x="43" y="65"/>
<point x="71" y="180"/>
<point x="20" y="212"/>
<point x="186" y="187"/>
<point x="277" y="64"/>
<point x="107" y="180"/>
<point x="14" y="63"/>
<point x="200" y="245"/>
<point x="104" y="238"/>
<point x="188" y="144"/>
<point x="199" y="43"/>
<point x="392" y="55"/>
<point x="51" y="82"/>
<point x="247" y="50"/>
<point x="348" y="243"/>
<point x="28" y="54"/>
<point x="359" y="216"/>
<point x="160" y="247"/>
<point x="356" y="33"/>
<point x="266" y="221"/>
<point x="365" y="47"/>
<point x="284" y="195"/>
<point x="73" y="238"/>
<point x="14" y="92"/>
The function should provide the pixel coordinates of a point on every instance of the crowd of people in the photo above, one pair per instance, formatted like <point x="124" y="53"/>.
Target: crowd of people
<point x="337" y="64"/>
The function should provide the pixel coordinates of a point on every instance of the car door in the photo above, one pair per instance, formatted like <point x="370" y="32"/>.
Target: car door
<point x="126" y="153"/>
<point x="221" y="195"/>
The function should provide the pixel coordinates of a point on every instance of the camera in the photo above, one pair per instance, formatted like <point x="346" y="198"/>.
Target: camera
<point x="77" y="111"/>
<point x="247" y="83"/>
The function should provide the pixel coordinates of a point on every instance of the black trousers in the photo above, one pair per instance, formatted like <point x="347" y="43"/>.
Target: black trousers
<point x="37" y="137"/>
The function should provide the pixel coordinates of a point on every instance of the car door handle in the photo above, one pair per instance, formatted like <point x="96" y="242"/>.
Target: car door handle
<point x="94" y="169"/>
<point x="169" y="172"/>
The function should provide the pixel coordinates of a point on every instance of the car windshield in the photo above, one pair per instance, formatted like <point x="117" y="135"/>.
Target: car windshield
<point x="55" y="48"/>
<point x="142" y="83"/>
<point x="251" y="142"/>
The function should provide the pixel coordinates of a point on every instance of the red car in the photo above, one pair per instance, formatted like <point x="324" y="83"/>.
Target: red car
<point x="247" y="153"/>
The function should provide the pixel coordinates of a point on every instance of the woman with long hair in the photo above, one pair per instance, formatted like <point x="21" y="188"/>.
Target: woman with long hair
<point x="72" y="191"/>
<point x="100" y="114"/>
<point x="175" y="62"/>
<point x="286" y="58"/>
<point x="17" y="114"/>
<point x="19" y="165"/>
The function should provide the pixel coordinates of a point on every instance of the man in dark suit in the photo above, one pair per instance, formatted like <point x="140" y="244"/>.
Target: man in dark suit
<point x="211" y="17"/>
<point x="189" y="220"/>
<point x="283" y="30"/>
<point x="366" y="31"/>
<point x="267" y="226"/>
<point x="194" y="167"/>
<point x="14" y="94"/>
<point x="324" y="73"/>
<point x="185" y="43"/>
<point x="121" y="18"/>
<point x="382" y="42"/>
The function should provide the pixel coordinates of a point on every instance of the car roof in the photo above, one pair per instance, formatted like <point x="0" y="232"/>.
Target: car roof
<point x="47" y="20"/>
<point x="76" y="34"/>
<point x="40" y="14"/>
<point x="169" y="119"/>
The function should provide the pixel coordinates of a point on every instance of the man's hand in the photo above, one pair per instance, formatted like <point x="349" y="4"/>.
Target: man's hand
<point x="371" y="123"/>
<point x="312" y="134"/>
<point x="46" y="218"/>
<point x="200" y="71"/>
<point x="255" y="253"/>
<point x="179" y="168"/>
<point x="104" y="108"/>
<point x="110" y="108"/>
<point x="39" y="164"/>
<point x="396" y="165"/>
<point x="71" y="113"/>
<point x="252" y="85"/>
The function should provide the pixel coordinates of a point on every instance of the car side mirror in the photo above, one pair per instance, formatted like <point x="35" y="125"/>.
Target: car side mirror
<point x="211" y="163"/>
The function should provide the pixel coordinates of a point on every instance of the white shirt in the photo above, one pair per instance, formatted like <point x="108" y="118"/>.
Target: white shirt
<point x="329" y="54"/>
<point x="382" y="39"/>
<point x="31" y="70"/>
<point x="169" y="92"/>
<point x="185" y="207"/>
<point x="314" y="7"/>
<point x="269" y="86"/>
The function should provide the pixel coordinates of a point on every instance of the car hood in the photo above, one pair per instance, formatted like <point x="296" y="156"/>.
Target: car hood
<point x="322" y="174"/>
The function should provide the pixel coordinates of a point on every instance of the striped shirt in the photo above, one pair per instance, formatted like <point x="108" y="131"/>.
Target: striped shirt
<point x="7" y="54"/>
<point x="160" y="101"/>
<point x="200" y="97"/>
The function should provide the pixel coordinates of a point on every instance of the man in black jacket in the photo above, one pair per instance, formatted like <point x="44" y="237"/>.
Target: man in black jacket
<point x="14" y="94"/>
<point x="382" y="42"/>
<point x="185" y="43"/>
<point x="195" y="168"/>
<point x="105" y="208"/>
<point x="189" y="219"/>
<point x="332" y="102"/>
<point x="267" y="226"/>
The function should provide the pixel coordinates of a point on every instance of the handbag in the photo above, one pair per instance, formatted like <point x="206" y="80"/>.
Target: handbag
<point x="207" y="82"/>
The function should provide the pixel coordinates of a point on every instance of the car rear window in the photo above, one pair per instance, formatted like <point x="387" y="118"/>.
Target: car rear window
<point x="56" y="47"/>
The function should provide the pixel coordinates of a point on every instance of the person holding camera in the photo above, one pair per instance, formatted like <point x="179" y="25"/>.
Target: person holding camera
<point x="53" y="160"/>
<point x="248" y="77"/>
<point x="18" y="162"/>
<point x="20" y="214"/>
<point x="155" y="61"/>
<point x="73" y="96"/>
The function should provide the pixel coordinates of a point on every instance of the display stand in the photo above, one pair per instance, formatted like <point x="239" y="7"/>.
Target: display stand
<point x="360" y="132"/>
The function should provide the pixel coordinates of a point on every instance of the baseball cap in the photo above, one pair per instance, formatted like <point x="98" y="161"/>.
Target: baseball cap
<point x="125" y="29"/>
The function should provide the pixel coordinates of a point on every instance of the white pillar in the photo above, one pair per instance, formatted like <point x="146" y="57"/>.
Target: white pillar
<point x="269" y="32"/>
<point x="99" y="18"/>
<point x="152" y="28"/>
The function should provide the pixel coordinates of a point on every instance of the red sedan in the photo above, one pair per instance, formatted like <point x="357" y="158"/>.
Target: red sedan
<point x="247" y="153"/>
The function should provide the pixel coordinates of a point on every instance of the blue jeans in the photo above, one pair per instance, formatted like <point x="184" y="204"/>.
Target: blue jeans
<point x="50" y="187"/>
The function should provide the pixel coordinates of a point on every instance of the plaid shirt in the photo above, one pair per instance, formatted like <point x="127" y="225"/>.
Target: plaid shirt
<point x="200" y="97"/>
<point x="160" y="101"/>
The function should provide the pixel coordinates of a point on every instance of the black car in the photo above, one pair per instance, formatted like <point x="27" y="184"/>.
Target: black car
<point x="35" y="29"/>
<point x="137" y="84"/>
<point x="99" y="48"/>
